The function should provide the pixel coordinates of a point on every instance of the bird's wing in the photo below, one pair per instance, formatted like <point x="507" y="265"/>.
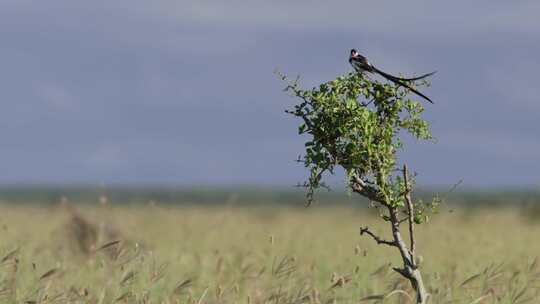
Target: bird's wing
<point x="360" y="63"/>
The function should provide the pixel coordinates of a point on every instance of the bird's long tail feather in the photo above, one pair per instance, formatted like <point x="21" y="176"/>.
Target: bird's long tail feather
<point x="387" y="76"/>
<point x="402" y="82"/>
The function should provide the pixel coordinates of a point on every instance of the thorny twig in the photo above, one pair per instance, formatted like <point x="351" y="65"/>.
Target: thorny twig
<point x="375" y="237"/>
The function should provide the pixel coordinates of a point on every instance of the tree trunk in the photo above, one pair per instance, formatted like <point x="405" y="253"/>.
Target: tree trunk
<point x="418" y="285"/>
<point x="410" y="269"/>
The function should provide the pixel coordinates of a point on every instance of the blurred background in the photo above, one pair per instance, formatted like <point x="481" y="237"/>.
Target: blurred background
<point x="183" y="93"/>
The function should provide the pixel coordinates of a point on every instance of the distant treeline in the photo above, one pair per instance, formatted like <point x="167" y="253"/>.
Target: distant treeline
<point x="246" y="196"/>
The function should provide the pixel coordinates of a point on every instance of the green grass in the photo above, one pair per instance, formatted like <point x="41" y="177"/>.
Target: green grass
<point x="259" y="255"/>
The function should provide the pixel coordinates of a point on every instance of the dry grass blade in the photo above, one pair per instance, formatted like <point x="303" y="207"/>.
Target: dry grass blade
<point x="160" y="272"/>
<point x="276" y="295"/>
<point x="5" y="291"/>
<point x="341" y="281"/>
<point x="498" y="268"/>
<point x="109" y="244"/>
<point x="10" y="255"/>
<point x="219" y="265"/>
<point x="398" y="291"/>
<point x="535" y="277"/>
<point x="128" y="277"/>
<point x="532" y="267"/>
<point x="123" y="296"/>
<point x="495" y="272"/>
<point x="519" y="294"/>
<point x="331" y="301"/>
<point x="128" y="259"/>
<point x="261" y="272"/>
<point x="202" y="296"/>
<point x="74" y="294"/>
<point x="372" y="298"/>
<point x="471" y="279"/>
<point x="285" y="267"/>
<point x="120" y="252"/>
<point x="515" y="276"/>
<point x="48" y="274"/>
<point x="303" y="299"/>
<point x="181" y="286"/>
<point x="303" y="295"/>
<point x="480" y="299"/>
<point x="284" y="295"/>
<point x="246" y="268"/>
<point x="381" y="269"/>
<point x="56" y="298"/>
<point x="494" y="276"/>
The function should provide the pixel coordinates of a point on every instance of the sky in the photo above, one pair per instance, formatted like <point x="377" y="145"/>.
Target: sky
<point x="184" y="92"/>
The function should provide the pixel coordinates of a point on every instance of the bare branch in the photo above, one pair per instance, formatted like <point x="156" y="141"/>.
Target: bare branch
<point x="405" y="253"/>
<point x="375" y="237"/>
<point x="402" y="272"/>
<point x="403" y="220"/>
<point x="410" y="209"/>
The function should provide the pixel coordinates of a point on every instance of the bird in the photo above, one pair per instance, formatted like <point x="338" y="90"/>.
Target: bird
<point x="361" y="64"/>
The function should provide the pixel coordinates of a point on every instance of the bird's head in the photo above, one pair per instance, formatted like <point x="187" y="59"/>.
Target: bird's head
<point x="354" y="53"/>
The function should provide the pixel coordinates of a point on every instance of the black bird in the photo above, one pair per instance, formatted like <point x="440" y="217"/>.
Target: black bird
<point x="361" y="64"/>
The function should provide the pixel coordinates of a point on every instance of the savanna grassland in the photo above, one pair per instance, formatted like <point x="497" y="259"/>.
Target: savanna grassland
<point x="161" y="254"/>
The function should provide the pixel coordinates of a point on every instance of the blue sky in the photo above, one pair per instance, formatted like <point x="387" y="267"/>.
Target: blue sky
<point x="183" y="92"/>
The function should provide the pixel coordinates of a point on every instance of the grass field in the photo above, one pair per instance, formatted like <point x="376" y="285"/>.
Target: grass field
<point x="260" y="255"/>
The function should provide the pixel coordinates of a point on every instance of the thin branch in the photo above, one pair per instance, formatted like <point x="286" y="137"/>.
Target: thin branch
<point x="360" y="187"/>
<point x="405" y="253"/>
<point x="410" y="209"/>
<point x="403" y="272"/>
<point x="375" y="237"/>
<point x="403" y="220"/>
